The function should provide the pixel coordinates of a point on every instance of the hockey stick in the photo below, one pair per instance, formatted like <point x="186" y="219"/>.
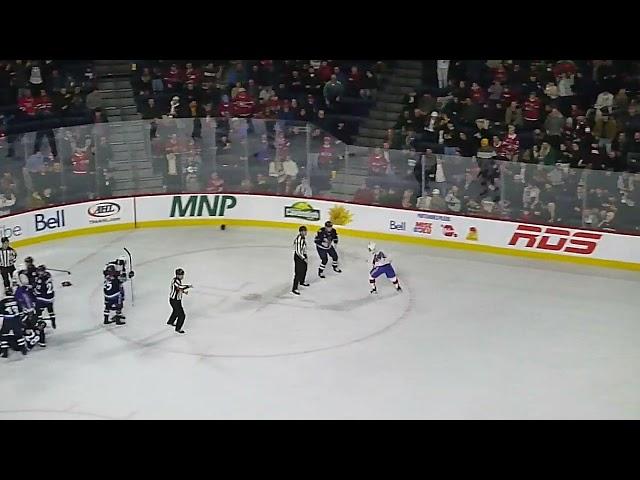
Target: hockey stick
<point x="59" y="270"/>
<point x="130" y="269"/>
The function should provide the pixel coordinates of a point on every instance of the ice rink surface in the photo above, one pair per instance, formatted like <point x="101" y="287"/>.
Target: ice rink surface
<point x="472" y="335"/>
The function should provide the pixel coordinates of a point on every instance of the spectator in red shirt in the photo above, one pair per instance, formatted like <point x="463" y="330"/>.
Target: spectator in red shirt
<point x="510" y="146"/>
<point x="43" y="104"/>
<point x="192" y="75"/>
<point x="531" y="111"/>
<point x="327" y="154"/>
<point x="364" y="195"/>
<point x="477" y="93"/>
<point x="27" y="105"/>
<point x="325" y="71"/>
<point x="215" y="184"/>
<point x="242" y="105"/>
<point x="174" y="78"/>
<point x="378" y="164"/>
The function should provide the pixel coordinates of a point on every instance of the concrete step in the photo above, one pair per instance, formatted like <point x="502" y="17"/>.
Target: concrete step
<point x="128" y="146"/>
<point x="121" y="110"/>
<point x="383" y="115"/>
<point x="141" y="171"/>
<point x="414" y="64"/>
<point x="372" y="132"/>
<point x="139" y="156"/>
<point x="368" y="141"/>
<point x="390" y="97"/>
<point x="380" y="124"/>
<point x="141" y="185"/>
<point x="113" y="84"/>
<point x="389" y="107"/>
<point x="408" y="72"/>
<point x="113" y="69"/>
<point x="118" y="93"/>
<point x="124" y="136"/>
<point x="120" y="102"/>
<point x="405" y="81"/>
<point x="399" y="90"/>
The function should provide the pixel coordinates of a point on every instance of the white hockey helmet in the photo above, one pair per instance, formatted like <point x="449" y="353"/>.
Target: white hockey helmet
<point x="371" y="247"/>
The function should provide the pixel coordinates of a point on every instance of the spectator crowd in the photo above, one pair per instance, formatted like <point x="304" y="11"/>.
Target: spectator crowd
<point x="573" y="127"/>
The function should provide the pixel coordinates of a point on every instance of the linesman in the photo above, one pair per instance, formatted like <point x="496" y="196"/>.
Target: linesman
<point x="175" y="300"/>
<point x="8" y="258"/>
<point x="300" y="260"/>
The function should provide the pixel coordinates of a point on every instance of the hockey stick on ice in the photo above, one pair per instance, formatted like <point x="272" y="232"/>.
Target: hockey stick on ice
<point x="59" y="270"/>
<point x="130" y="269"/>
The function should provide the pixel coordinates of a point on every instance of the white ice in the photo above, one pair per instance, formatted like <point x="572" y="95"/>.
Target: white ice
<point x="471" y="336"/>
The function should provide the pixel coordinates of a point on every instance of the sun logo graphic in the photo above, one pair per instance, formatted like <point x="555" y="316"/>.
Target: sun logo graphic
<point x="340" y="215"/>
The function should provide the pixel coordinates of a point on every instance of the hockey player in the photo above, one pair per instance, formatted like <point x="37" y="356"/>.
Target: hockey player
<point x="381" y="265"/>
<point x="325" y="241"/>
<point x="112" y="295"/>
<point x="33" y="328"/>
<point x="120" y="265"/>
<point x="29" y="269"/>
<point x="44" y="295"/>
<point x="11" y="326"/>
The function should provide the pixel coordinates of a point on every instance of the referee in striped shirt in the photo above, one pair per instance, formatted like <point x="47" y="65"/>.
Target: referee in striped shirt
<point x="300" y="260"/>
<point x="175" y="300"/>
<point x="8" y="258"/>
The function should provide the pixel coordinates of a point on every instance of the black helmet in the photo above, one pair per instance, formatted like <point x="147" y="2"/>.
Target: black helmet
<point x="302" y="229"/>
<point x="41" y="269"/>
<point x="179" y="271"/>
<point x="328" y="224"/>
<point x="4" y="239"/>
<point x="28" y="260"/>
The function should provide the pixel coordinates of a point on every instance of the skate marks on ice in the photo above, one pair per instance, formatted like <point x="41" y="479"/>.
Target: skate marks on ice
<point x="257" y="317"/>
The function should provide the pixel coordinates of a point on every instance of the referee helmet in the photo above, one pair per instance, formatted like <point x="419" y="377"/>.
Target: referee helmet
<point x="302" y="229"/>
<point x="179" y="271"/>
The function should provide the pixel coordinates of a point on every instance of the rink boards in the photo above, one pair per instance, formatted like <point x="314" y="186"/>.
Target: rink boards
<point x="380" y="223"/>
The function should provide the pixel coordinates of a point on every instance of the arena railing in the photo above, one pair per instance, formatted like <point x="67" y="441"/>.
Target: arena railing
<point x="283" y="157"/>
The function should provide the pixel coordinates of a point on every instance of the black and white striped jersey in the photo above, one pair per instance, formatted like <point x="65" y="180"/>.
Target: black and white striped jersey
<point x="300" y="246"/>
<point x="8" y="257"/>
<point x="177" y="287"/>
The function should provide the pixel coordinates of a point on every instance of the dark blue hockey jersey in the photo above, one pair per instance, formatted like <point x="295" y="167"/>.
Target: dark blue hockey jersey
<point x="9" y="308"/>
<point x="325" y="239"/>
<point x="44" y="287"/>
<point x="112" y="286"/>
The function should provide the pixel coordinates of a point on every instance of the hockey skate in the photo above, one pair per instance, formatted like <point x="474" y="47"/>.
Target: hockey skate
<point x="118" y="320"/>
<point x="321" y="273"/>
<point x="295" y="292"/>
<point x="337" y="270"/>
<point x="5" y="354"/>
<point x="304" y="284"/>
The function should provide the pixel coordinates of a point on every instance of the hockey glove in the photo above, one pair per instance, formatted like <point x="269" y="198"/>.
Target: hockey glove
<point x="131" y="274"/>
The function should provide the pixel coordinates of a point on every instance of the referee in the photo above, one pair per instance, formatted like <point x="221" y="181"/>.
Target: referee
<point x="175" y="300"/>
<point x="8" y="258"/>
<point x="300" y="260"/>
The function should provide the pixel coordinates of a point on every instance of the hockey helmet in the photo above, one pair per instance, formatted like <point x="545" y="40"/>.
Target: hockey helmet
<point x="371" y="247"/>
<point x="328" y="224"/>
<point x="41" y="269"/>
<point x="179" y="271"/>
<point x="302" y="229"/>
<point x="4" y="240"/>
<point x="28" y="260"/>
